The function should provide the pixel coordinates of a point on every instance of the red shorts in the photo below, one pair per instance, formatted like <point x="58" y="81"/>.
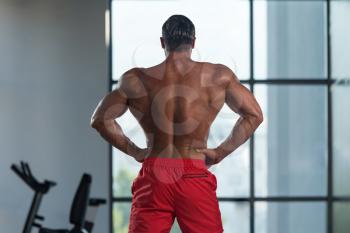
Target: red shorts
<point x="166" y="188"/>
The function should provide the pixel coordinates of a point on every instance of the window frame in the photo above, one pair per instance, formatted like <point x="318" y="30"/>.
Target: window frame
<point x="329" y="199"/>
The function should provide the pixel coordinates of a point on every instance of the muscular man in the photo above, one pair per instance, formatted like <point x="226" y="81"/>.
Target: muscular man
<point x="175" y="103"/>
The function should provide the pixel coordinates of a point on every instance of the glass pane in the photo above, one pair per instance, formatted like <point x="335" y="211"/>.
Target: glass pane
<point x="235" y="166"/>
<point x="121" y="216"/>
<point x="341" y="135"/>
<point x="235" y="216"/>
<point x="222" y="31"/>
<point x="232" y="173"/>
<point x="341" y="213"/>
<point x="175" y="228"/>
<point x="291" y="143"/>
<point x="290" y="39"/>
<point x="125" y="168"/>
<point x="340" y="32"/>
<point x="290" y="217"/>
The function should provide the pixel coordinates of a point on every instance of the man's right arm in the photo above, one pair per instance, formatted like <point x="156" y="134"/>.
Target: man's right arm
<point x="243" y="102"/>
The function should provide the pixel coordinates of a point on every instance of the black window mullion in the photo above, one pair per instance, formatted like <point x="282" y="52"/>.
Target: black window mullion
<point x="329" y="127"/>
<point x="251" y="142"/>
<point x="110" y="148"/>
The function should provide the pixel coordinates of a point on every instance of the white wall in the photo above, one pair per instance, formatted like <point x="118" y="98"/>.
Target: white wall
<point x="53" y="72"/>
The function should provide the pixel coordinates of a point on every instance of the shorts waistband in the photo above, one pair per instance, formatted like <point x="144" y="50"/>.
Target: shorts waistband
<point x="174" y="162"/>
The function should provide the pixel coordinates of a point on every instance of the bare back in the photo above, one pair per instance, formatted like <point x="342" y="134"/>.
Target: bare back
<point x="175" y="104"/>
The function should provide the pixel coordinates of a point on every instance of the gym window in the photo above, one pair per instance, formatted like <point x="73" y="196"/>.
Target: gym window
<point x="292" y="175"/>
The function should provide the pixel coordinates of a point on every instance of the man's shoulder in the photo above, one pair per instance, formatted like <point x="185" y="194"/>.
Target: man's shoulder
<point x="223" y="69"/>
<point x="218" y="69"/>
<point x="130" y="79"/>
<point x="130" y="76"/>
<point x="130" y="82"/>
<point x="130" y="73"/>
<point x="221" y="72"/>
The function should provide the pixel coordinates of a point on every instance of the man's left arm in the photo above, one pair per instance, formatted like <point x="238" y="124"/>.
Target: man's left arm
<point x="112" y="106"/>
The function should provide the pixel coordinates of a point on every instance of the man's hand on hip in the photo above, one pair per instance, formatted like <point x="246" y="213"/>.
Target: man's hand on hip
<point x="140" y="154"/>
<point x="211" y="156"/>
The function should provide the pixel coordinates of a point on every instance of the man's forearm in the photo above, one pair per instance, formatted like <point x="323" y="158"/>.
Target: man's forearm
<point x="240" y="133"/>
<point x="113" y="133"/>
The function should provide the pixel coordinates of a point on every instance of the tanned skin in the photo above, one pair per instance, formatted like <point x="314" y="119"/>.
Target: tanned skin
<point x="175" y="102"/>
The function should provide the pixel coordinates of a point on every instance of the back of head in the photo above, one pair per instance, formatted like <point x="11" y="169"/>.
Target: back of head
<point x="178" y="33"/>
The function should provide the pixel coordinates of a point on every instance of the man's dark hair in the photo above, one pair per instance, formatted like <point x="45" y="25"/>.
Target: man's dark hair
<point x="178" y="31"/>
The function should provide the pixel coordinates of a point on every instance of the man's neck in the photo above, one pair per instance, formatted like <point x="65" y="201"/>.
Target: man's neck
<point x="184" y="55"/>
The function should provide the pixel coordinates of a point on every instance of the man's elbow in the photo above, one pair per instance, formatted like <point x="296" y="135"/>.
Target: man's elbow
<point x="256" y="119"/>
<point x="259" y="118"/>
<point x="96" y="123"/>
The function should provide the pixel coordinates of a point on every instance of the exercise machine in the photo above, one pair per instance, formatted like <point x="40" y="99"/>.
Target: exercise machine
<point x="78" y="208"/>
<point x="83" y="210"/>
<point x="40" y="189"/>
